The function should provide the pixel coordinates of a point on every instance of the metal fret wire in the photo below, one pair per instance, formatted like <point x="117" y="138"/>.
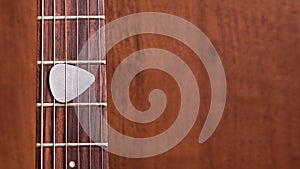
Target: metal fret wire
<point x="72" y="144"/>
<point x="50" y="62"/>
<point x="59" y="17"/>
<point x="42" y="86"/>
<point x="104" y="104"/>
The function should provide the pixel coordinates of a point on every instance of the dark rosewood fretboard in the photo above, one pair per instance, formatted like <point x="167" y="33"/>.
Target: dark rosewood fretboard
<point x="64" y="26"/>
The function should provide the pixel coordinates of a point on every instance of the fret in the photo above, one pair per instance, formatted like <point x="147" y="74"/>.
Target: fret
<point x="105" y="144"/>
<point x="61" y="17"/>
<point x="49" y="62"/>
<point x="71" y="104"/>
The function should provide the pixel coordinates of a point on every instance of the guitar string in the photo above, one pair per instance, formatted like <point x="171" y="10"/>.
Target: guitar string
<point x="100" y="58"/>
<point x="66" y="108"/>
<point x="42" y="89"/>
<point x="89" y="91"/>
<point x="105" y="134"/>
<point x="103" y="112"/>
<point x="77" y="64"/>
<point x="54" y="107"/>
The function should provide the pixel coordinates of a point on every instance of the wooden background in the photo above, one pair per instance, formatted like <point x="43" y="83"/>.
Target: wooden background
<point x="258" y="43"/>
<point x="17" y="83"/>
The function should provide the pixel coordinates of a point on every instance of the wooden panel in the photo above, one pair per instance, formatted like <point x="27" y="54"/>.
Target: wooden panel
<point x="17" y="83"/>
<point x="258" y="43"/>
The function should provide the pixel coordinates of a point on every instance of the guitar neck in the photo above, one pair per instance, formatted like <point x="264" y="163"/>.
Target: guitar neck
<point x="64" y="27"/>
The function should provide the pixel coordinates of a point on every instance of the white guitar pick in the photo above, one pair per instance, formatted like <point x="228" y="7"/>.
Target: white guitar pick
<point x="67" y="82"/>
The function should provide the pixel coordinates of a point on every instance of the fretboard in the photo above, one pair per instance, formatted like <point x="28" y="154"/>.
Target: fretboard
<point x="64" y="27"/>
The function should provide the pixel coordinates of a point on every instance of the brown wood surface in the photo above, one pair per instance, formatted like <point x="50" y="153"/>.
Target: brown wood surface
<point x="17" y="83"/>
<point x="258" y="43"/>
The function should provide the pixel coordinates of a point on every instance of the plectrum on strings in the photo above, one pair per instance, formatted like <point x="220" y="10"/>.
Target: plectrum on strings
<point x="67" y="82"/>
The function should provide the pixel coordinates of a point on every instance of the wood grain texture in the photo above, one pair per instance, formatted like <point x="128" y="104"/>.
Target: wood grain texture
<point x="17" y="83"/>
<point x="258" y="43"/>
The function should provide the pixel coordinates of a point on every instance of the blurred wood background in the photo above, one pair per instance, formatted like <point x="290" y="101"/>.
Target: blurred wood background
<point x="258" y="43"/>
<point x="17" y="83"/>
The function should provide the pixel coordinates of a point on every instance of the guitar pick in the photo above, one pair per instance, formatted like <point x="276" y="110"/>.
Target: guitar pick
<point x="67" y="82"/>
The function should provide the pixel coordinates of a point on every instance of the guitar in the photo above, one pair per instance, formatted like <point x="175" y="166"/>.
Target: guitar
<point x="258" y="47"/>
<point x="63" y="29"/>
